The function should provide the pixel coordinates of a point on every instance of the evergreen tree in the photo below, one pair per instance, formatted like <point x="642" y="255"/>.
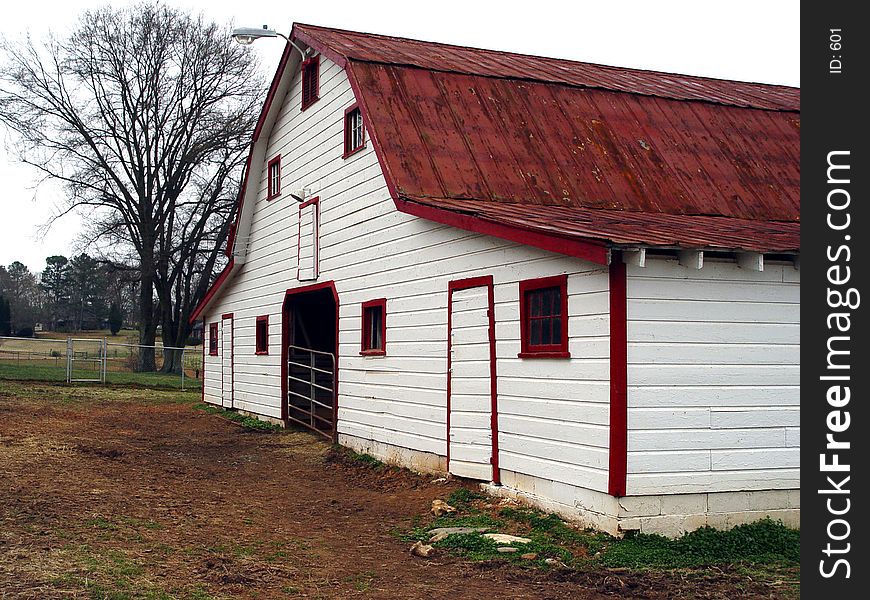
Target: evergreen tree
<point x="116" y="319"/>
<point x="5" y="317"/>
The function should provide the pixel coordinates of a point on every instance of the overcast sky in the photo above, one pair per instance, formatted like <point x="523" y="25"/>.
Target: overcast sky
<point x="750" y="40"/>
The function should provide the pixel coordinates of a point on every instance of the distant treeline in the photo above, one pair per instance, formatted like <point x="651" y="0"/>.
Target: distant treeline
<point x="68" y="295"/>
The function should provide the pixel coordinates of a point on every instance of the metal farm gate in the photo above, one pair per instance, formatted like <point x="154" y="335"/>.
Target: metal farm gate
<point x="85" y="360"/>
<point x="311" y="389"/>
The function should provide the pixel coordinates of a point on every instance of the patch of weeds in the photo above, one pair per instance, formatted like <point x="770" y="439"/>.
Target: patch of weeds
<point x="462" y="497"/>
<point x="762" y="542"/>
<point x="236" y="417"/>
<point x="553" y="528"/>
<point x="469" y="520"/>
<point x="365" y="459"/>
<point x="473" y="546"/>
<point x="290" y="590"/>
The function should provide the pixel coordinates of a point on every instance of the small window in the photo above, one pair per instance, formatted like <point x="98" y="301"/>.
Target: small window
<point x="374" y="327"/>
<point x="544" y="318"/>
<point x="274" y="174"/>
<point x="310" y="81"/>
<point x="354" y="132"/>
<point x="262" y="335"/>
<point x="212" y="339"/>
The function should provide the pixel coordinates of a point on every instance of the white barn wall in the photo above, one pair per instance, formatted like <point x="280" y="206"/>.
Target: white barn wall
<point x="713" y="378"/>
<point x="553" y="412"/>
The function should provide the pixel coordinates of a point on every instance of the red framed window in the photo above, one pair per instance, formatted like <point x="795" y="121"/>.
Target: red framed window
<point x="354" y="131"/>
<point x="374" y="327"/>
<point x="273" y="172"/>
<point x="310" y="81"/>
<point x="212" y="339"/>
<point x="544" y="318"/>
<point x="262" y="335"/>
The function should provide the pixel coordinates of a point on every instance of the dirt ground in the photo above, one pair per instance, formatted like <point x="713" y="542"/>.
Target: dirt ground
<point x="135" y="494"/>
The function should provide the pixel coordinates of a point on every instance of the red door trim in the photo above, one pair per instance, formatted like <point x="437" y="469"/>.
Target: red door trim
<point x="618" y="378"/>
<point x="464" y="284"/>
<point x="285" y="341"/>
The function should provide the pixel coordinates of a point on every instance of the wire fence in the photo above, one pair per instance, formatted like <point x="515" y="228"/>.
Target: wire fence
<point x="98" y="360"/>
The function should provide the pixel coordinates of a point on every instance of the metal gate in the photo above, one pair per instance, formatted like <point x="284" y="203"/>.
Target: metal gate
<point x="85" y="360"/>
<point x="311" y="389"/>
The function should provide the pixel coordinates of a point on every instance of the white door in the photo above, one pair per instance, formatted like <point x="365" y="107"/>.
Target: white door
<point x="227" y="362"/>
<point x="470" y="415"/>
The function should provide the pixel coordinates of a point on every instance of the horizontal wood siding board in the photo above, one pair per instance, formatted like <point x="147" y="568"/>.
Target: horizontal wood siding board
<point x="714" y="366"/>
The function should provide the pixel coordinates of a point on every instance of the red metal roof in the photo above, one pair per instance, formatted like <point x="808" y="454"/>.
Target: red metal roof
<point x="599" y="153"/>
<point x="367" y="47"/>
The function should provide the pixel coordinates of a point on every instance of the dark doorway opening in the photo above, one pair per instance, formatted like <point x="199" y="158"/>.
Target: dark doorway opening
<point x="310" y="357"/>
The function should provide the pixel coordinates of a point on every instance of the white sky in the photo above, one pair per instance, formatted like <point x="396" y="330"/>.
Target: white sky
<point x="750" y="40"/>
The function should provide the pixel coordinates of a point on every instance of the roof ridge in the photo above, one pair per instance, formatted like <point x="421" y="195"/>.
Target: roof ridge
<point x="615" y="68"/>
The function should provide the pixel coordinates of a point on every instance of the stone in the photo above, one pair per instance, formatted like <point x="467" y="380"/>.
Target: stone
<point x="553" y="562"/>
<point x="422" y="550"/>
<point x="439" y="508"/>
<point x="529" y="555"/>
<point x="507" y="550"/>
<point x="438" y="537"/>
<point x="504" y="538"/>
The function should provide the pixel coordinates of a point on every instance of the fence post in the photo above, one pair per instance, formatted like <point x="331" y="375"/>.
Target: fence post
<point x="68" y="359"/>
<point x="182" y="368"/>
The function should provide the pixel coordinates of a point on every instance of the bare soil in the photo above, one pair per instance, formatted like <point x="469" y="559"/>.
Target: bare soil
<point x="124" y="493"/>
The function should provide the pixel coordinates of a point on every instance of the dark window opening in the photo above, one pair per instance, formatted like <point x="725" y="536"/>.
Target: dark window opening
<point x="374" y="327"/>
<point x="212" y="339"/>
<point x="262" y="335"/>
<point x="354" y="132"/>
<point x="544" y="318"/>
<point x="310" y="81"/>
<point x="274" y="176"/>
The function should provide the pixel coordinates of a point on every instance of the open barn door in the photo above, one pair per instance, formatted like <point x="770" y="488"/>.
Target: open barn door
<point x="310" y="357"/>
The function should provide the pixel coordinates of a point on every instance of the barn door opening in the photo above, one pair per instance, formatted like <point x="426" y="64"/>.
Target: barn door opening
<point x="227" y="360"/>
<point x="472" y="415"/>
<point x="310" y="357"/>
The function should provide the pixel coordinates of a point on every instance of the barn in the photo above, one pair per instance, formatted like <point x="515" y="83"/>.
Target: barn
<point x="575" y="283"/>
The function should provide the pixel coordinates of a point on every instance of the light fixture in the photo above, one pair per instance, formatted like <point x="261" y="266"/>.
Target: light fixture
<point x="248" y="35"/>
<point x="300" y="195"/>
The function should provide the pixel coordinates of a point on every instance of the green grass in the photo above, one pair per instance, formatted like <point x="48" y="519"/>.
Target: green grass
<point x="236" y="417"/>
<point x="761" y="545"/>
<point x="28" y="371"/>
<point x="763" y="542"/>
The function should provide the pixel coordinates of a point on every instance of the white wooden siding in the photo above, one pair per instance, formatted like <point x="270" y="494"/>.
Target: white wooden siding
<point x="553" y="414"/>
<point x="713" y="377"/>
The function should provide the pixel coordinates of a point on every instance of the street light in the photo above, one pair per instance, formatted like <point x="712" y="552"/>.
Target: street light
<point x="248" y="35"/>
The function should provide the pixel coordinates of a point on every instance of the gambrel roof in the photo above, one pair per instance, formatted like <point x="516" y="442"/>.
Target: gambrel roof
<point x="568" y="156"/>
<point x="604" y="154"/>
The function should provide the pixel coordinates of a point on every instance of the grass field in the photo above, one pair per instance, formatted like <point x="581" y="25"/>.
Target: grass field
<point x="45" y="370"/>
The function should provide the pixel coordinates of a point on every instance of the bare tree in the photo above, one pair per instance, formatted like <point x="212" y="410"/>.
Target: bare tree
<point x="145" y="114"/>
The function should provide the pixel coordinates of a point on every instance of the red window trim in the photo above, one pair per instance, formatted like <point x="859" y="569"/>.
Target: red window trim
<point x="212" y="339"/>
<point x="548" y="350"/>
<point x="382" y="351"/>
<point x="273" y="193"/>
<point x="347" y="150"/>
<point x="311" y="63"/>
<point x="265" y="350"/>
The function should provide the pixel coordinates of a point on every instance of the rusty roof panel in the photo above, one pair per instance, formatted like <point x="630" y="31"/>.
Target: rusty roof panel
<point x="448" y="135"/>
<point x="490" y="63"/>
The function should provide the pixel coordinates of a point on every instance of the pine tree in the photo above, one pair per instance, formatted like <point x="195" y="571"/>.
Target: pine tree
<point x="5" y="317"/>
<point x="116" y="319"/>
